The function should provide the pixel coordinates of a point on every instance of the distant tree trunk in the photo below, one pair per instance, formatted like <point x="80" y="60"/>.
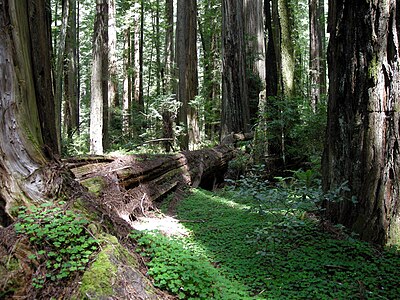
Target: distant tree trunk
<point x="71" y="104"/>
<point x="113" y="97"/>
<point x="322" y="50"/>
<point x="235" y="111"/>
<point x="362" y="146"/>
<point x="99" y="81"/>
<point x="211" y="88"/>
<point x="271" y="81"/>
<point x="158" y="48"/>
<point x="168" y="76"/>
<point x="137" y="49"/>
<point x="286" y="47"/>
<point x="23" y="176"/>
<point x="186" y="55"/>
<point x="169" y="50"/>
<point x="59" y="72"/>
<point x="315" y="54"/>
<point x="127" y="93"/>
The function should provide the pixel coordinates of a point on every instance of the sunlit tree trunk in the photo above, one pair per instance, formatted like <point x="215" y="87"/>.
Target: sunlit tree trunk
<point x="362" y="145"/>
<point x="127" y="94"/>
<point x="99" y="81"/>
<point x="235" y="110"/>
<point x="23" y="176"/>
<point x="186" y="56"/>
<point x="254" y="29"/>
<point x="113" y="97"/>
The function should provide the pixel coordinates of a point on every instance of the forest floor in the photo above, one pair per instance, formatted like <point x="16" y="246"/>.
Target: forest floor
<point x="230" y="245"/>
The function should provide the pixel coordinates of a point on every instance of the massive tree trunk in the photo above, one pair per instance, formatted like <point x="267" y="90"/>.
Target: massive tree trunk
<point x="22" y="160"/>
<point x="362" y="146"/>
<point x="254" y="28"/>
<point x="99" y="81"/>
<point x="235" y="108"/>
<point x="186" y="57"/>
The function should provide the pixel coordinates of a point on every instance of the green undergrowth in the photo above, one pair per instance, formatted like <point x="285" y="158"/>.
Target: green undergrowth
<point x="61" y="243"/>
<point x="263" y="245"/>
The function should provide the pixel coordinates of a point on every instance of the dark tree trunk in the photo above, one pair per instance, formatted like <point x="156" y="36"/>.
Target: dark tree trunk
<point x="362" y="146"/>
<point x="186" y="57"/>
<point x="315" y="54"/>
<point x="39" y="21"/>
<point x="235" y="108"/>
<point x="71" y="104"/>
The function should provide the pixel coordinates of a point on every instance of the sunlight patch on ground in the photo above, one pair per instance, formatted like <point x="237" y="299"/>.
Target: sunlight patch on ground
<point x="167" y="225"/>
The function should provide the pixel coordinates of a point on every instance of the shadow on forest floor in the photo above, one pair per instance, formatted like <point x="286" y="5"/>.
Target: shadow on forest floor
<point x="284" y="257"/>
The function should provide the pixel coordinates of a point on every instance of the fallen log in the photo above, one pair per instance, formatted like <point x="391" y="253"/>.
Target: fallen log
<point x="130" y="185"/>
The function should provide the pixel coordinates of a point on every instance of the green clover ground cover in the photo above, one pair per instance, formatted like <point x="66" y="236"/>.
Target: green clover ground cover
<point x="236" y="252"/>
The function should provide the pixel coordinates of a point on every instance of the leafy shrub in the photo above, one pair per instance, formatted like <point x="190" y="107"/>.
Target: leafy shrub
<point x="60" y="239"/>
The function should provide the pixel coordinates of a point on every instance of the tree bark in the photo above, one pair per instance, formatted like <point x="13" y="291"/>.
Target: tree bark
<point x="23" y="177"/>
<point x="254" y="28"/>
<point x="186" y="56"/>
<point x="315" y="55"/>
<point x="235" y="108"/>
<point x="99" y="81"/>
<point x="71" y="104"/>
<point x="113" y="97"/>
<point x="362" y="146"/>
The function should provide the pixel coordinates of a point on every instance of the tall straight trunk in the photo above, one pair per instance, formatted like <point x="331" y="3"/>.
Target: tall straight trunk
<point x="59" y="72"/>
<point x="71" y="104"/>
<point x="158" y="48"/>
<point x="322" y="50"/>
<point x="113" y="98"/>
<point x="254" y="30"/>
<point x="286" y="46"/>
<point x="23" y="56"/>
<point x="127" y="93"/>
<point x="169" y="50"/>
<point x="315" y="54"/>
<point x="271" y="66"/>
<point x="362" y="145"/>
<point x="99" y="81"/>
<point x="235" y="110"/>
<point x="168" y="74"/>
<point x="186" y="55"/>
<point x="40" y="21"/>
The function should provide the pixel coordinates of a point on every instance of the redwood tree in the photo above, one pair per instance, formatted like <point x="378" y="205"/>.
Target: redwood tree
<point x="235" y="109"/>
<point x="362" y="146"/>
<point x="186" y="58"/>
<point x="25" y="86"/>
<point x="99" y="81"/>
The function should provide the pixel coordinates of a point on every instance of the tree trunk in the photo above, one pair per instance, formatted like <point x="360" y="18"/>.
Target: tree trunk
<point x="315" y="54"/>
<point x="71" y="105"/>
<point x="113" y="98"/>
<point x="235" y="108"/>
<point x="127" y="94"/>
<point x="40" y="20"/>
<point x="186" y="56"/>
<point x="254" y="29"/>
<point x="99" y="82"/>
<point x="362" y="145"/>
<point x="23" y="177"/>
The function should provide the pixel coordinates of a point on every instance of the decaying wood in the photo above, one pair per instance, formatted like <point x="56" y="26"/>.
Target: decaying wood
<point x="128" y="186"/>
